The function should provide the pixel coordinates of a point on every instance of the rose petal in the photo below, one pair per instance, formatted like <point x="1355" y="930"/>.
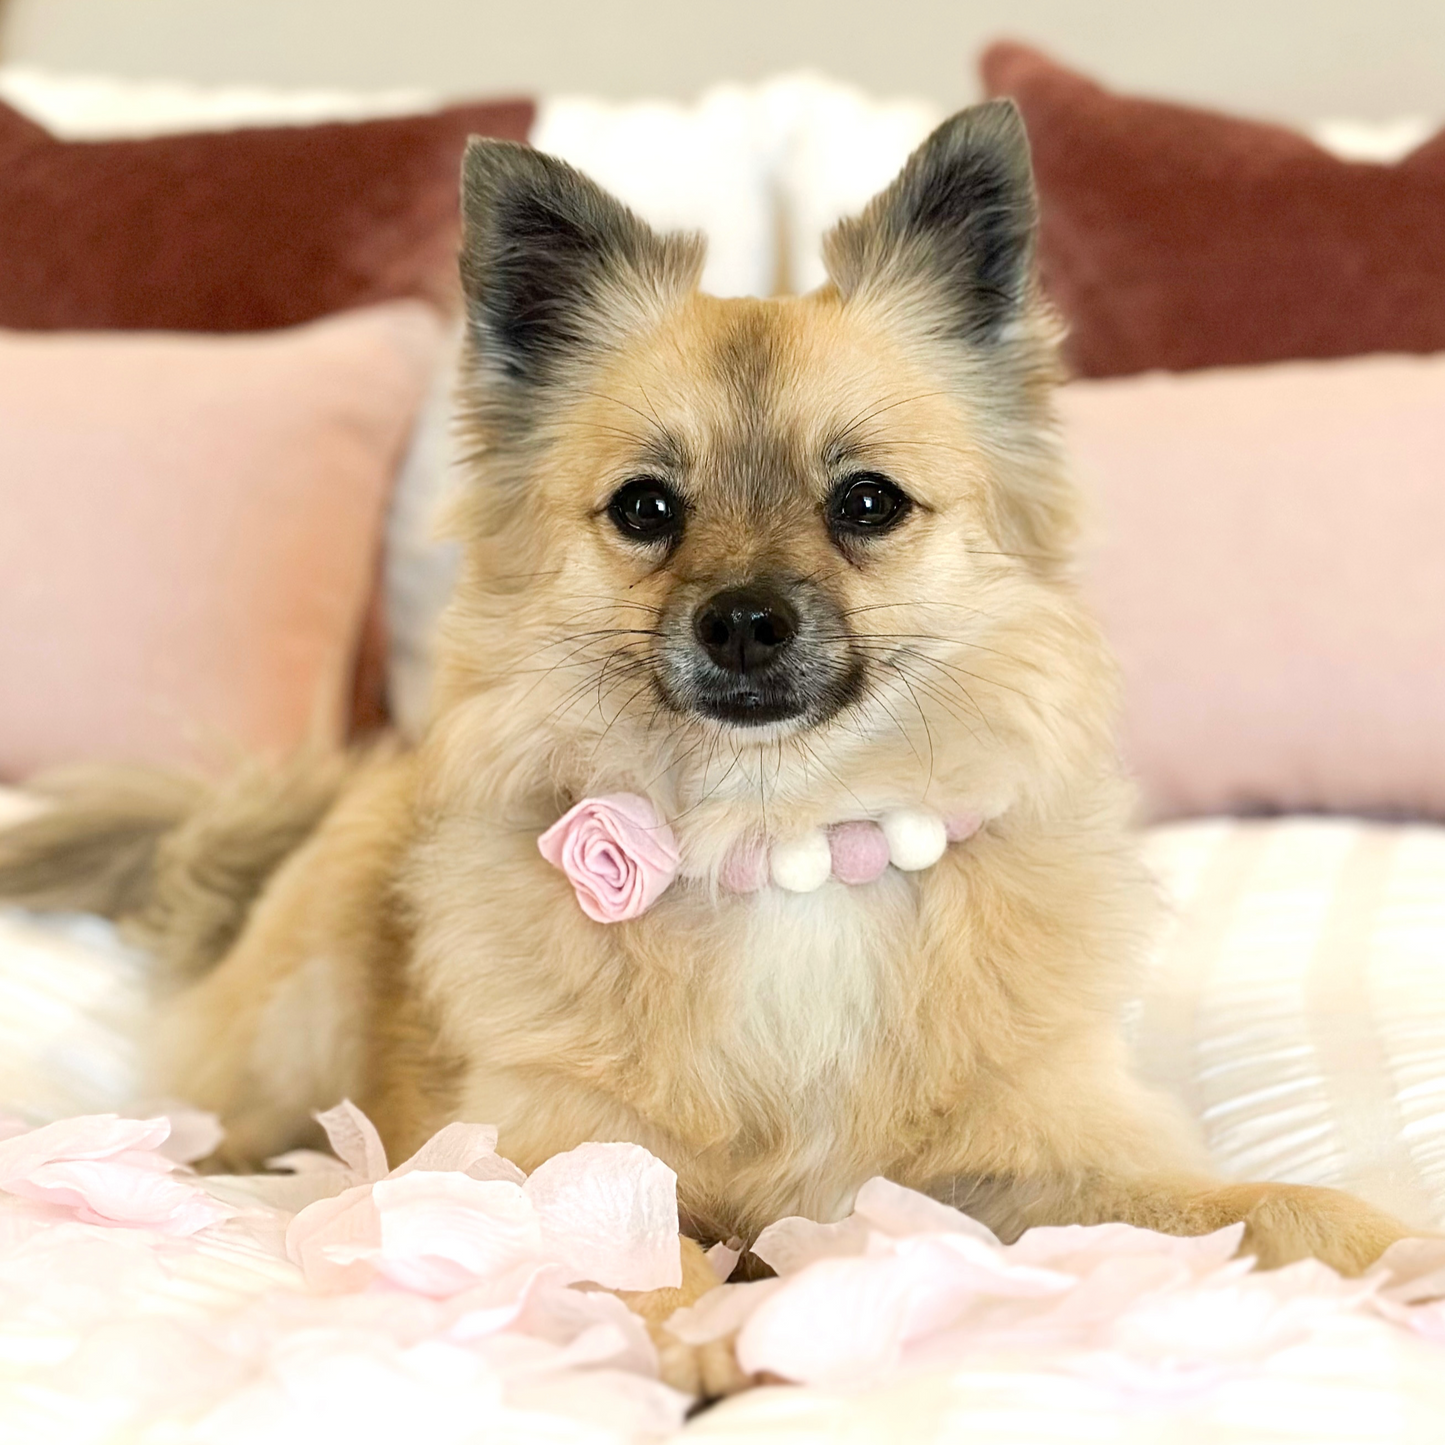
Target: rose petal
<point x="846" y="1321"/>
<point x="894" y="1210"/>
<point x="195" y="1134"/>
<point x="1413" y="1270"/>
<point x="565" y="1316"/>
<point x="346" y="1225"/>
<point x="354" y="1140"/>
<point x="1078" y="1247"/>
<point x="441" y="1232"/>
<point x="794" y="1243"/>
<point x="107" y="1170"/>
<point x="89" y="1136"/>
<point x="470" y="1148"/>
<point x="723" y="1258"/>
<point x="107" y="1191"/>
<point x="609" y="1212"/>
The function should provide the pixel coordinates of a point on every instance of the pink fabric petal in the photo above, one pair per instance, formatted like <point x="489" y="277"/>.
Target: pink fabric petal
<point x="90" y="1136"/>
<point x="332" y="1240"/>
<point x="563" y="1315"/>
<point x="723" y="1258"/>
<point x="354" y="1140"/>
<point x="847" y="1321"/>
<point x="839" y="1322"/>
<point x="1079" y="1247"/>
<point x="1413" y="1270"/>
<point x="195" y="1134"/>
<point x="470" y="1148"/>
<point x="108" y="1170"/>
<point x="794" y="1243"/>
<point x="442" y="1232"/>
<point x="116" y="1191"/>
<point x="894" y="1210"/>
<point x="609" y="1212"/>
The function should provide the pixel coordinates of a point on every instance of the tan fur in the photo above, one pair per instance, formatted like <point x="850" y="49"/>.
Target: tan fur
<point x="954" y="1030"/>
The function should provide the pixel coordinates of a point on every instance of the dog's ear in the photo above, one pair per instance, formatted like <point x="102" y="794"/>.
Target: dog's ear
<point x="958" y="222"/>
<point x="553" y="267"/>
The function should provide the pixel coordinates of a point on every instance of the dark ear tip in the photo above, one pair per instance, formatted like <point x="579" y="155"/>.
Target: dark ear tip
<point x="488" y="163"/>
<point x="993" y="126"/>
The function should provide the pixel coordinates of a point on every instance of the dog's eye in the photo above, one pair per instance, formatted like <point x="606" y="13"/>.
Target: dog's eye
<point x="646" y="510"/>
<point x="867" y="502"/>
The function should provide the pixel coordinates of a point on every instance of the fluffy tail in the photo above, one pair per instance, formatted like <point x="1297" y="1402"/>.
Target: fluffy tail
<point x="179" y="861"/>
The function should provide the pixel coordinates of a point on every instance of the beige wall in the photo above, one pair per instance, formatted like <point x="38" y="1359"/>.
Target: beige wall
<point x="1367" y="58"/>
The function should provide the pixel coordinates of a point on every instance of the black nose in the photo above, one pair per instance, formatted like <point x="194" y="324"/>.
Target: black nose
<point x="745" y="628"/>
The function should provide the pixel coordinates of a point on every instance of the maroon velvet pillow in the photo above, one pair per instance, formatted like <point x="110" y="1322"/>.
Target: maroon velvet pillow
<point x="1177" y="238"/>
<point x="237" y="230"/>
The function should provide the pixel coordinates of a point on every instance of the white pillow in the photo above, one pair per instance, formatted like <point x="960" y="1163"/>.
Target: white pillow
<point x="421" y="567"/>
<point x="832" y="148"/>
<point x="101" y="107"/>
<point x="1381" y="141"/>
<point x="695" y="167"/>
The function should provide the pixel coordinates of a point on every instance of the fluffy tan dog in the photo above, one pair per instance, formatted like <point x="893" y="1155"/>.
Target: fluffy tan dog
<point x="773" y="565"/>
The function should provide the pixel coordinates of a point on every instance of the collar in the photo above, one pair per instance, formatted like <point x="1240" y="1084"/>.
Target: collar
<point x="621" y="856"/>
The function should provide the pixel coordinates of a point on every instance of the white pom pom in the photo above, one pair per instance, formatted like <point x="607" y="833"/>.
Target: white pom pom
<point x="916" y="838"/>
<point x="802" y="864"/>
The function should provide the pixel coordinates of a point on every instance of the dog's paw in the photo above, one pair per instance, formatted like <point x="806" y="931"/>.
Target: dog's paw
<point x="710" y="1370"/>
<point x="1287" y="1222"/>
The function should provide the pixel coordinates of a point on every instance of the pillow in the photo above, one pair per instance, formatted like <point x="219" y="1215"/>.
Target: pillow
<point x="232" y="231"/>
<point x="422" y="562"/>
<point x="698" y="166"/>
<point x="1176" y="238"/>
<point x="103" y="107"/>
<point x="834" y="148"/>
<point x="1269" y="571"/>
<point x="191" y="529"/>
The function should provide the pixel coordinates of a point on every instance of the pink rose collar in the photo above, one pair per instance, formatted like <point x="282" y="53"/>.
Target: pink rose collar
<point x="621" y="857"/>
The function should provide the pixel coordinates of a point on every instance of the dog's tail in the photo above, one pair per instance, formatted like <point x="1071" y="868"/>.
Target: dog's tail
<point x="179" y="861"/>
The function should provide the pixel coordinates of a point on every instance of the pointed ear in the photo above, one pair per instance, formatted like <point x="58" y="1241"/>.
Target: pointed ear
<point x="554" y="267"/>
<point x="959" y="220"/>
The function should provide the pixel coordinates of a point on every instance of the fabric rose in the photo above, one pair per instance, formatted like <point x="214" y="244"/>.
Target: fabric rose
<point x="619" y="855"/>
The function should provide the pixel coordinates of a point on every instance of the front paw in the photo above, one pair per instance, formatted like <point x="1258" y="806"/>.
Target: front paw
<point x="1287" y="1222"/>
<point x="708" y="1370"/>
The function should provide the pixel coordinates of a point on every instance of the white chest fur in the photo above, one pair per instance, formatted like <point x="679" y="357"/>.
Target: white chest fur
<point x="811" y="981"/>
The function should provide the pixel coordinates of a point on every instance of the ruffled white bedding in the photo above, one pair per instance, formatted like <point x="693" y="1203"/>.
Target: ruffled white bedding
<point x="1296" y="1005"/>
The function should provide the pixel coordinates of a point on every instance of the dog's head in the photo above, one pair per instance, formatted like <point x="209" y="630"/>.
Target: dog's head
<point x="705" y="530"/>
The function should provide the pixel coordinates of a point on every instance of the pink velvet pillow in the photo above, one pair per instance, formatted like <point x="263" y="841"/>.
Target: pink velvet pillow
<point x="1271" y="572"/>
<point x="190" y="526"/>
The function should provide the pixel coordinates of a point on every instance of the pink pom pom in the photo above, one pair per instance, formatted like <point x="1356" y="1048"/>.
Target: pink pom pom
<point x="745" y="869"/>
<point x="961" y="826"/>
<point x="860" y="851"/>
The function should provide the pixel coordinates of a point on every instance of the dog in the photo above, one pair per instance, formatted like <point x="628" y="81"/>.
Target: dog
<point x="771" y="565"/>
